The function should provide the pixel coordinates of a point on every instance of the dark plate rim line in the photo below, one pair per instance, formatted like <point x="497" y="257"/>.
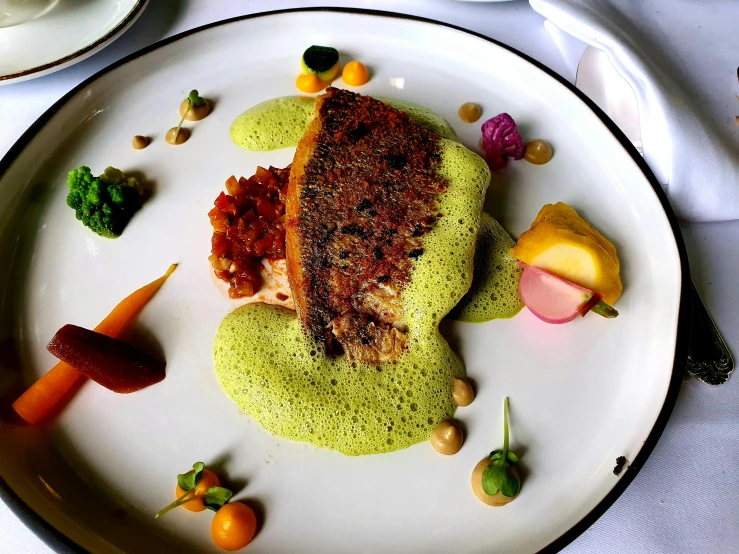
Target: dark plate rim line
<point x="57" y="540"/>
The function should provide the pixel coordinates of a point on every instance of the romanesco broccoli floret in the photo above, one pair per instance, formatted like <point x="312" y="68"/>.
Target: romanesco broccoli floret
<point x="106" y="203"/>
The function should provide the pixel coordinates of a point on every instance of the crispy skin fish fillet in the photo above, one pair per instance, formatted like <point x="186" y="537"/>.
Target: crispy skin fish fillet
<point x="362" y="193"/>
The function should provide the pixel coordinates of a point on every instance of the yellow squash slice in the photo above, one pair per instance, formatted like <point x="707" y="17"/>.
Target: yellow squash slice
<point x="563" y="243"/>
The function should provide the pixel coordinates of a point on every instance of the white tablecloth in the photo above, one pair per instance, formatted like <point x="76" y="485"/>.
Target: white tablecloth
<point x="686" y="498"/>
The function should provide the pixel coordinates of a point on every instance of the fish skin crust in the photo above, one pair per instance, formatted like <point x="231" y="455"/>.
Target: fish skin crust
<point x="362" y="193"/>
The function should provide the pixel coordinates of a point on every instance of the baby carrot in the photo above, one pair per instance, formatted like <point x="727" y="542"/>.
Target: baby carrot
<point x="47" y="396"/>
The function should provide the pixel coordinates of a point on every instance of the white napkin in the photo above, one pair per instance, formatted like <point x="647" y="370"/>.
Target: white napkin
<point x="681" y="58"/>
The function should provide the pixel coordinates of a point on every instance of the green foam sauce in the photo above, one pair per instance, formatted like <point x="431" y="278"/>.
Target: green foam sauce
<point x="284" y="381"/>
<point x="281" y="122"/>
<point x="494" y="291"/>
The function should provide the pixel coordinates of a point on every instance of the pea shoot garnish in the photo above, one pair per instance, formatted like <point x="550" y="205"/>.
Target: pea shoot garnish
<point x="193" y="100"/>
<point x="193" y="108"/>
<point x="187" y="481"/>
<point x="198" y="489"/>
<point x="501" y="475"/>
<point x="234" y="524"/>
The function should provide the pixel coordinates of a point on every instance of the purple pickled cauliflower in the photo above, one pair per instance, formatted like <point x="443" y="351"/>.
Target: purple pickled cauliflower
<point x="501" y="139"/>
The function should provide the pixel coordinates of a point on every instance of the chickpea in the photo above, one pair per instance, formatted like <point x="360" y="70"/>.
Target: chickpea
<point x="462" y="392"/>
<point x="497" y="499"/>
<point x="447" y="438"/>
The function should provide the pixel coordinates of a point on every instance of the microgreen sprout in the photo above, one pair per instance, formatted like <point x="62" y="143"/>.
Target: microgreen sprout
<point x="213" y="498"/>
<point x="193" y="100"/>
<point x="188" y="481"/>
<point x="499" y="475"/>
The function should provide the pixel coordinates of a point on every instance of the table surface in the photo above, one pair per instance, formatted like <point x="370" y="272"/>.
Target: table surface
<point x="685" y="498"/>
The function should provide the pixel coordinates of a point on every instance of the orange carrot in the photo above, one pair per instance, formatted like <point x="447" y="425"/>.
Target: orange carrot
<point x="50" y="393"/>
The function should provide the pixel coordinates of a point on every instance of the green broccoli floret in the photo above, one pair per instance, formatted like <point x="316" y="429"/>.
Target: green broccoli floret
<point x="104" y="204"/>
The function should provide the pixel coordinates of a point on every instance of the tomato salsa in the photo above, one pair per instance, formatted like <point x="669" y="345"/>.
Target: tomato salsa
<point x="248" y="226"/>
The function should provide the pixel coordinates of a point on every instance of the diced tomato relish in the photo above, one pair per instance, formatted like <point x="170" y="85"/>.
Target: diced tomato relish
<point x="248" y="225"/>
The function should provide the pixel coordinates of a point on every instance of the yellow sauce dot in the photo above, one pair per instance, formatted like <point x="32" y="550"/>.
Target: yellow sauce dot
<point x="175" y="137"/>
<point x="462" y="392"/>
<point x="355" y="74"/>
<point x="538" y="152"/>
<point x="446" y="438"/>
<point x="196" y="113"/>
<point x="310" y="83"/>
<point x="469" y="112"/>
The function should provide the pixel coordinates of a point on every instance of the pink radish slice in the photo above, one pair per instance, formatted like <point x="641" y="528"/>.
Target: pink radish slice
<point x="551" y="298"/>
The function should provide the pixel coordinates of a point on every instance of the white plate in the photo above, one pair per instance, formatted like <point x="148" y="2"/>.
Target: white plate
<point x="581" y="394"/>
<point x="67" y="33"/>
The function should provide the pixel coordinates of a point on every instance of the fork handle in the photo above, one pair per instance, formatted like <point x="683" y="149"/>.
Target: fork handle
<point x="709" y="359"/>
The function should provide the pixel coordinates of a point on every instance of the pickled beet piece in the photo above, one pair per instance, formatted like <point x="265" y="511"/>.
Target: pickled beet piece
<point x="110" y="362"/>
<point x="551" y="298"/>
<point x="556" y="300"/>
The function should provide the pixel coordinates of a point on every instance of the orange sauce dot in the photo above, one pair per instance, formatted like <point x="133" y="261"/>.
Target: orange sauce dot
<point x="355" y="74"/>
<point x="310" y="83"/>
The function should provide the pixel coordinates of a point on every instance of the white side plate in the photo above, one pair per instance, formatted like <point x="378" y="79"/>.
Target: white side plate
<point x="67" y="33"/>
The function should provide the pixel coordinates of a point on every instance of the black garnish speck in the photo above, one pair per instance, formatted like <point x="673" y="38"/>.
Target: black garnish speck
<point x="620" y="462"/>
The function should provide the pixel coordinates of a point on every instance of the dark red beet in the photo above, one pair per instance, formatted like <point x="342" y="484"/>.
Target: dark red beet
<point x="110" y="362"/>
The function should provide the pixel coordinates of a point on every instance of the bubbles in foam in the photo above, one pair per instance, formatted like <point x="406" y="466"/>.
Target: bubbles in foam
<point x="276" y="123"/>
<point x="494" y="291"/>
<point x="343" y="406"/>
<point x="281" y="122"/>
<point x="295" y="391"/>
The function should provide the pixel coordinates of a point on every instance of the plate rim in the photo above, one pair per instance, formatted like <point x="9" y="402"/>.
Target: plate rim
<point x="78" y="55"/>
<point x="61" y="543"/>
